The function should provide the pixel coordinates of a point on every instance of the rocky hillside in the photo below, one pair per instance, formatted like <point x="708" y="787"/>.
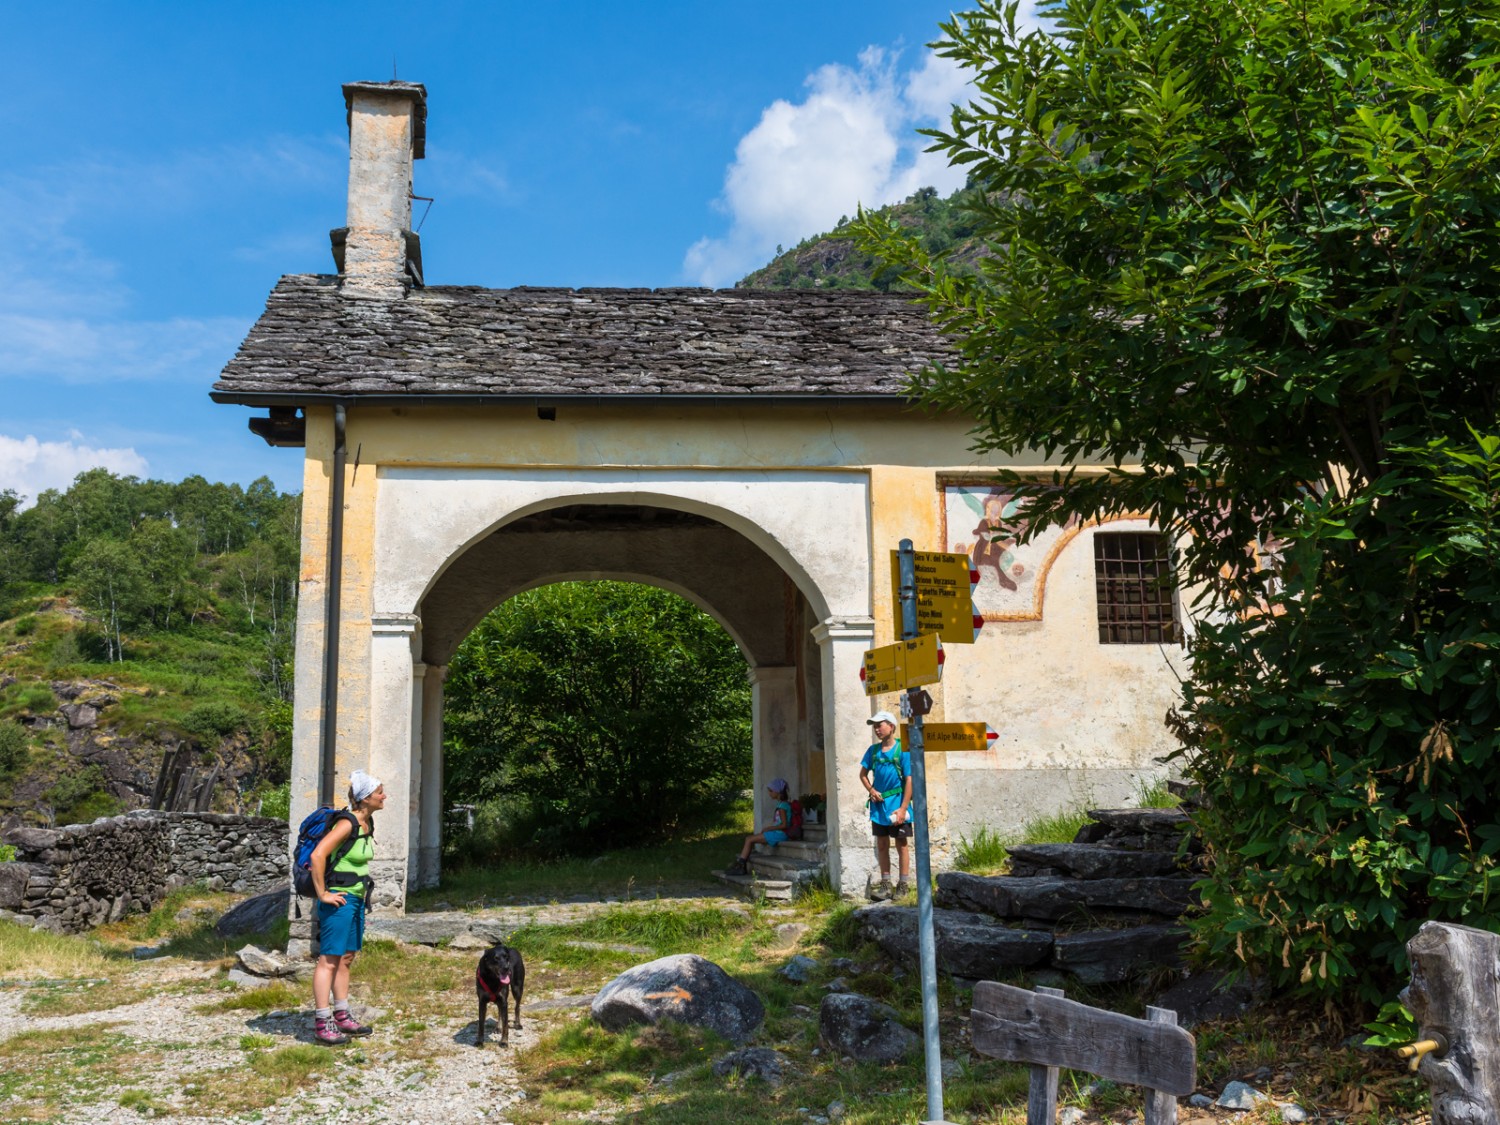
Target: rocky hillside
<point x="833" y="261"/>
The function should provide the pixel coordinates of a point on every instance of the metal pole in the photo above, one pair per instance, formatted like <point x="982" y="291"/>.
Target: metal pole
<point x="926" y="940"/>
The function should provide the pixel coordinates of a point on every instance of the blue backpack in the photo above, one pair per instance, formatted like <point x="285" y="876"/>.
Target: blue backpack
<point x="310" y="833"/>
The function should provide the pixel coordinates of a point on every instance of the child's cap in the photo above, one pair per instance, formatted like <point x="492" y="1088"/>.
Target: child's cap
<point x="777" y="785"/>
<point x="881" y="717"/>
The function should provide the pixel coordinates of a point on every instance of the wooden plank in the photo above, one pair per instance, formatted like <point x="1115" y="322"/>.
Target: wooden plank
<point x="1041" y="1097"/>
<point x="1161" y="1107"/>
<point x="1021" y="1026"/>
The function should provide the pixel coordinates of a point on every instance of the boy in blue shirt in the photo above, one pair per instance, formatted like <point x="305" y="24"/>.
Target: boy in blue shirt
<point x="885" y="772"/>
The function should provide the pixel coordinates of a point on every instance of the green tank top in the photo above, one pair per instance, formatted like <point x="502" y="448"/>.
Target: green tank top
<point x="355" y="866"/>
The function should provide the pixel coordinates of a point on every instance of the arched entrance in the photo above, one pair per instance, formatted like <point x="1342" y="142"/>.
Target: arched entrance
<point x="693" y="556"/>
<point x="767" y="557"/>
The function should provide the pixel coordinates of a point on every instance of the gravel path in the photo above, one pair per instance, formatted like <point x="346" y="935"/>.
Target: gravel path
<point x="457" y="1084"/>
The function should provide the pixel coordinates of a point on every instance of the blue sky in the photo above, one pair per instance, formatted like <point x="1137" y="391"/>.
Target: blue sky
<point x="165" y="163"/>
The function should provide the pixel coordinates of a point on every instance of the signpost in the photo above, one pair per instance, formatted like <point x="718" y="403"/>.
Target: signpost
<point x="944" y="589"/>
<point x="935" y="589"/>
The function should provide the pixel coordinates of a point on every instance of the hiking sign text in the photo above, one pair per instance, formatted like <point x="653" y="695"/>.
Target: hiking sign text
<point x="905" y="664"/>
<point x="953" y="736"/>
<point x="945" y="595"/>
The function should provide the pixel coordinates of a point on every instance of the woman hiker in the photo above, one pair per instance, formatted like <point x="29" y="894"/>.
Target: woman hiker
<point x="343" y="898"/>
<point x="772" y="833"/>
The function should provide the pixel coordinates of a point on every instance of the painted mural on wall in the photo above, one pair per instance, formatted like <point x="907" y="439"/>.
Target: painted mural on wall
<point x="985" y="523"/>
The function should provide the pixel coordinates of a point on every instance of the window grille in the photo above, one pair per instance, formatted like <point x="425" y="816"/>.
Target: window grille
<point x="1134" y="590"/>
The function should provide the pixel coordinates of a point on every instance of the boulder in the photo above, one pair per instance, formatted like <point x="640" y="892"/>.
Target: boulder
<point x="798" y="970"/>
<point x="1089" y="861"/>
<point x="1106" y="956"/>
<point x="968" y="945"/>
<point x="256" y="914"/>
<point x="686" y="988"/>
<point x="1209" y="994"/>
<point x="753" y="1062"/>
<point x="1050" y="898"/>
<point x="16" y="918"/>
<point x="33" y="840"/>
<point x="262" y="963"/>
<point x="14" y="878"/>
<point x="863" y="1029"/>
<point x="1238" y="1095"/>
<point x="80" y="716"/>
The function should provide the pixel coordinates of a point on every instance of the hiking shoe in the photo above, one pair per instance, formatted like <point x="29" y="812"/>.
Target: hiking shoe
<point x="882" y="891"/>
<point x="903" y="888"/>
<point x="738" y="867"/>
<point x="327" y="1033"/>
<point x="349" y="1025"/>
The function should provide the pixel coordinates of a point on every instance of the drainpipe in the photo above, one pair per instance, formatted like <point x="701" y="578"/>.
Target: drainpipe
<point x="327" y="751"/>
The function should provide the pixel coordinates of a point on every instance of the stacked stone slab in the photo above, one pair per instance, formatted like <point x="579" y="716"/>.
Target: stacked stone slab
<point x="83" y="875"/>
<point x="1102" y="908"/>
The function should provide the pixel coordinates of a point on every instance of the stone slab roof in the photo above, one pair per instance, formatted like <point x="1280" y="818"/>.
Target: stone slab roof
<point x="312" y="341"/>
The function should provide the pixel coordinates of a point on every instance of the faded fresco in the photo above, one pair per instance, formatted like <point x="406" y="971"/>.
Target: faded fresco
<point x="985" y="523"/>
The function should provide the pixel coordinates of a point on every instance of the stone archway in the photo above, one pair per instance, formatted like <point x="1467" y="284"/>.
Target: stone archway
<point x="767" y="556"/>
<point x="691" y="555"/>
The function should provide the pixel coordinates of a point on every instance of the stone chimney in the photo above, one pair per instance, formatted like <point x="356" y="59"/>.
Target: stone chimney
<point x="377" y="254"/>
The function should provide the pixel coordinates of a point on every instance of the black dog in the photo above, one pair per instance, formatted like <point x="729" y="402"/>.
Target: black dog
<point x="501" y="972"/>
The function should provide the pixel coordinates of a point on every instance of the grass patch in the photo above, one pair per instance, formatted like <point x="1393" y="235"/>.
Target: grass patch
<point x="673" y="867"/>
<point x="44" y="1072"/>
<point x="983" y="854"/>
<point x="268" y="1076"/>
<point x="27" y="954"/>
<point x="182" y="925"/>
<point x="274" y="997"/>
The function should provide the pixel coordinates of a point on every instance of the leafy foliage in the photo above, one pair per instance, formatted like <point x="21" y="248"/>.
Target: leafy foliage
<point x="1247" y="252"/>
<point x="607" y="711"/>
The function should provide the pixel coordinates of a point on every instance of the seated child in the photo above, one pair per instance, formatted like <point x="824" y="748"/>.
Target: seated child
<point x="772" y="833"/>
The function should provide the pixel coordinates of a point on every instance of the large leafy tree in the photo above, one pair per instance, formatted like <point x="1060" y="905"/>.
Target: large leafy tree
<point x="1247" y="255"/>
<point x="608" y="712"/>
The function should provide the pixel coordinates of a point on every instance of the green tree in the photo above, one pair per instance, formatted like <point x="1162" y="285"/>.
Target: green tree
<point x="1249" y="254"/>
<point x="608" y="710"/>
<point x="110" y="581"/>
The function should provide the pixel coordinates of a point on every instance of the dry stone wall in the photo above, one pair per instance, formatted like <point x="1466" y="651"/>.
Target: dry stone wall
<point x="83" y="875"/>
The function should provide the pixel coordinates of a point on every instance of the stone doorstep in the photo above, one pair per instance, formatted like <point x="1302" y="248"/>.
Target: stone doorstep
<point x="797" y="849"/>
<point x="783" y="867"/>
<point x="752" y="887"/>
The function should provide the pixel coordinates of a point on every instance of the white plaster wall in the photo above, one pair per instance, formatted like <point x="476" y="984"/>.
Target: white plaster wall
<point x="813" y="524"/>
<point x="1080" y="722"/>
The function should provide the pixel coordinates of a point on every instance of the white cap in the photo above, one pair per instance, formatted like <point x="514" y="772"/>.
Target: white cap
<point x="883" y="717"/>
<point x="361" y="785"/>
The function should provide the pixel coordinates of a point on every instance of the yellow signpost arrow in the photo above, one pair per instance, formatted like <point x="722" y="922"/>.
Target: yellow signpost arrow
<point x="953" y="736"/>
<point x="905" y="664"/>
<point x="945" y="595"/>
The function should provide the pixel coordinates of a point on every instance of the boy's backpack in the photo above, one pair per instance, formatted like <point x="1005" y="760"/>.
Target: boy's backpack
<point x="310" y="833"/>
<point x="794" y="829"/>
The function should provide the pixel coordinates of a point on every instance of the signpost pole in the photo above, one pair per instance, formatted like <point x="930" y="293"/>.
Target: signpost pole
<point x="926" y="940"/>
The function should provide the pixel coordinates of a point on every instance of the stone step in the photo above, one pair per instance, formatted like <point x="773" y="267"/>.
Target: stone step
<point x="1090" y="861"/>
<point x="784" y="866"/>
<point x="1141" y="820"/>
<point x="755" y="888"/>
<point x="1053" y="898"/>
<point x="811" y="850"/>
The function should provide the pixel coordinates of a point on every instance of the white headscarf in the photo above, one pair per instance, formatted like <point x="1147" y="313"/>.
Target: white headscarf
<point x="361" y="785"/>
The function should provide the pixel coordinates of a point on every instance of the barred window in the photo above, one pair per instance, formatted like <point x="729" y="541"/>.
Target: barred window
<point x="1133" y="584"/>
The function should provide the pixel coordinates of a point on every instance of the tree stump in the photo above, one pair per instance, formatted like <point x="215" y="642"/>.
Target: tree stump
<point x="1455" y="994"/>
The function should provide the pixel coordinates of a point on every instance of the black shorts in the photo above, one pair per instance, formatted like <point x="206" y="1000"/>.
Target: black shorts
<point x="892" y="831"/>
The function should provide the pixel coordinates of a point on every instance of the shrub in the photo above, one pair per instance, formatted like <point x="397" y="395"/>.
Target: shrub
<point x="78" y="798"/>
<point x="215" y="720"/>
<point x="25" y="626"/>
<point x="13" y="746"/>
<point x="277" y="803"/>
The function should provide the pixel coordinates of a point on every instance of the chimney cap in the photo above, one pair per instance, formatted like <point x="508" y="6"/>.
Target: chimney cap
<point x="416" y="91"/>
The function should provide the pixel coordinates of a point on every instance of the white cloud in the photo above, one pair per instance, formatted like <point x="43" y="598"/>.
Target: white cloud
<point x="852" y="141"/>
<point x="28" y="466"/>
